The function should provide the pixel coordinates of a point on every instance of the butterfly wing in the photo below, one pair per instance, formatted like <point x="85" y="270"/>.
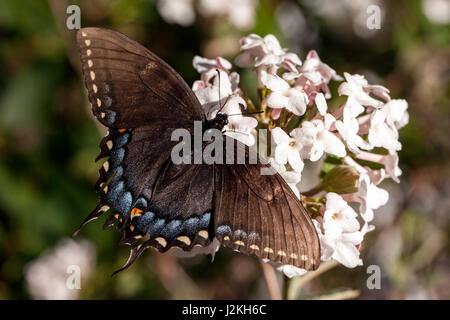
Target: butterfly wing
<point x="141" y="100"/>
<point x="259" y="214"/>
<point x="129" y="86"/>
<point x="179" y="213"/>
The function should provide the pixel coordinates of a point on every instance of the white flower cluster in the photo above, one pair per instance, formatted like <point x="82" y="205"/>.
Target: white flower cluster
<point x="239" y="12"/>
<point x="294" y="92"/>
<point x="47" y="277"/>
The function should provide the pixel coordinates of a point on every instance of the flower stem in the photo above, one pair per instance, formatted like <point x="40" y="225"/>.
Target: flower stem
<point x="271" y="281"/>
<point x="313" y="191"/>
<point x="340" y="295"/>
<point x="297" y="283"/>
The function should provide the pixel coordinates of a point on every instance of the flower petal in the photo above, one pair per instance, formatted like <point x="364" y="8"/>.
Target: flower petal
<point x="321" y="103"/>
<point x="274" y="82"/>
<point x="277" y="101"/>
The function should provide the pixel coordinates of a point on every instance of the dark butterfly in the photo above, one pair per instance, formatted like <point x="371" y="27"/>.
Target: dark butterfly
<point x="156" y="203"/>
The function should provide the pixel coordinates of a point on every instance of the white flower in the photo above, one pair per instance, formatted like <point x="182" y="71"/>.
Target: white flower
<point x="46" y="277"/>
<point x="315" y="136"/>
<point x="316" y="71"/>
<point x="348" y="129"/>
<point x="396" y="113"/>
<point x="313" y="76"/>
<point x="283" y="96"/>
<point x="265" y="51"/>
<point x="240" y="12"/>
<point x="357" y="89"/>
<point x="252" y="47"/>
<point x="370" y="196"/>
<point x="339" y="217"/>
<point x="203" y="65"/>
<point x="437" y="11"/>
<point x="208" y="70"/>
<point x="292" y="178"/>
<point x="208" y="94"/>
<point x="390" y="162"/>
<point x="288" y="270"/>
<point x="339" y="225"/>
<point x="239" y="127"/>
<point x="177" y="11"/>
<point x="288" y="148"/>
<point x="381" y="134"/>
<point x="341" y="232"/>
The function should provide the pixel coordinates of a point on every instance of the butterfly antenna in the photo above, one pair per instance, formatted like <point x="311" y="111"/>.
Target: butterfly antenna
<point x="221" y="107"/>
<point x="244" y="114"/>
<point x="245" y="133"/>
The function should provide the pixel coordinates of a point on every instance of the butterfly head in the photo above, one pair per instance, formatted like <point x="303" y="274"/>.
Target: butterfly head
<point x="219" y="122"/>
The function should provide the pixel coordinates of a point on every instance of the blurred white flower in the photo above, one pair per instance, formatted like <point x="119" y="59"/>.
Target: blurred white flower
<point x="240" y="12"/>
<point x="283" y="96"/>
<point x="288" y="148"/>
<point x="345" y="15"/>
<point x="437" y="11"/>
<point x="177" y="11"/>
<point x="315" y="136"/>
<point x="46" y="277"/>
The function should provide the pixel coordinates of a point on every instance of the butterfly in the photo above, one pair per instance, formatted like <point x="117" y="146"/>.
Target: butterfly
<point x="156" y="203"/>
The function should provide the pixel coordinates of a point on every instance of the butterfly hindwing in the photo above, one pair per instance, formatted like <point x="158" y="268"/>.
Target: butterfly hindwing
<point x="179" y="213"/>
<point x="268" y="221"/>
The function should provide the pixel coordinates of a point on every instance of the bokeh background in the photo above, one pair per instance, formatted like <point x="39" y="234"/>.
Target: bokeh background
<point x="48" y="141"/>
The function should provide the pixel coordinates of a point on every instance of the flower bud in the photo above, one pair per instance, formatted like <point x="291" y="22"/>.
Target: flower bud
<point x="341" y="179"/>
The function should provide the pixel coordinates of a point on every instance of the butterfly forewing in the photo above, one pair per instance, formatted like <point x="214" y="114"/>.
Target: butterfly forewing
<point x="128" y="86"/>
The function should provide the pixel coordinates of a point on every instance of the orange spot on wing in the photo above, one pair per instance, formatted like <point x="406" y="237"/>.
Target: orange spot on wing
<point x="131" y="227"/>
<point x="122" y="130"/>
<point x="136" y="212"/>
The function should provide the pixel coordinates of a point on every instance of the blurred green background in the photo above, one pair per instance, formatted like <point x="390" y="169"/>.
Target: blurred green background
<point x="48" y="142"/>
